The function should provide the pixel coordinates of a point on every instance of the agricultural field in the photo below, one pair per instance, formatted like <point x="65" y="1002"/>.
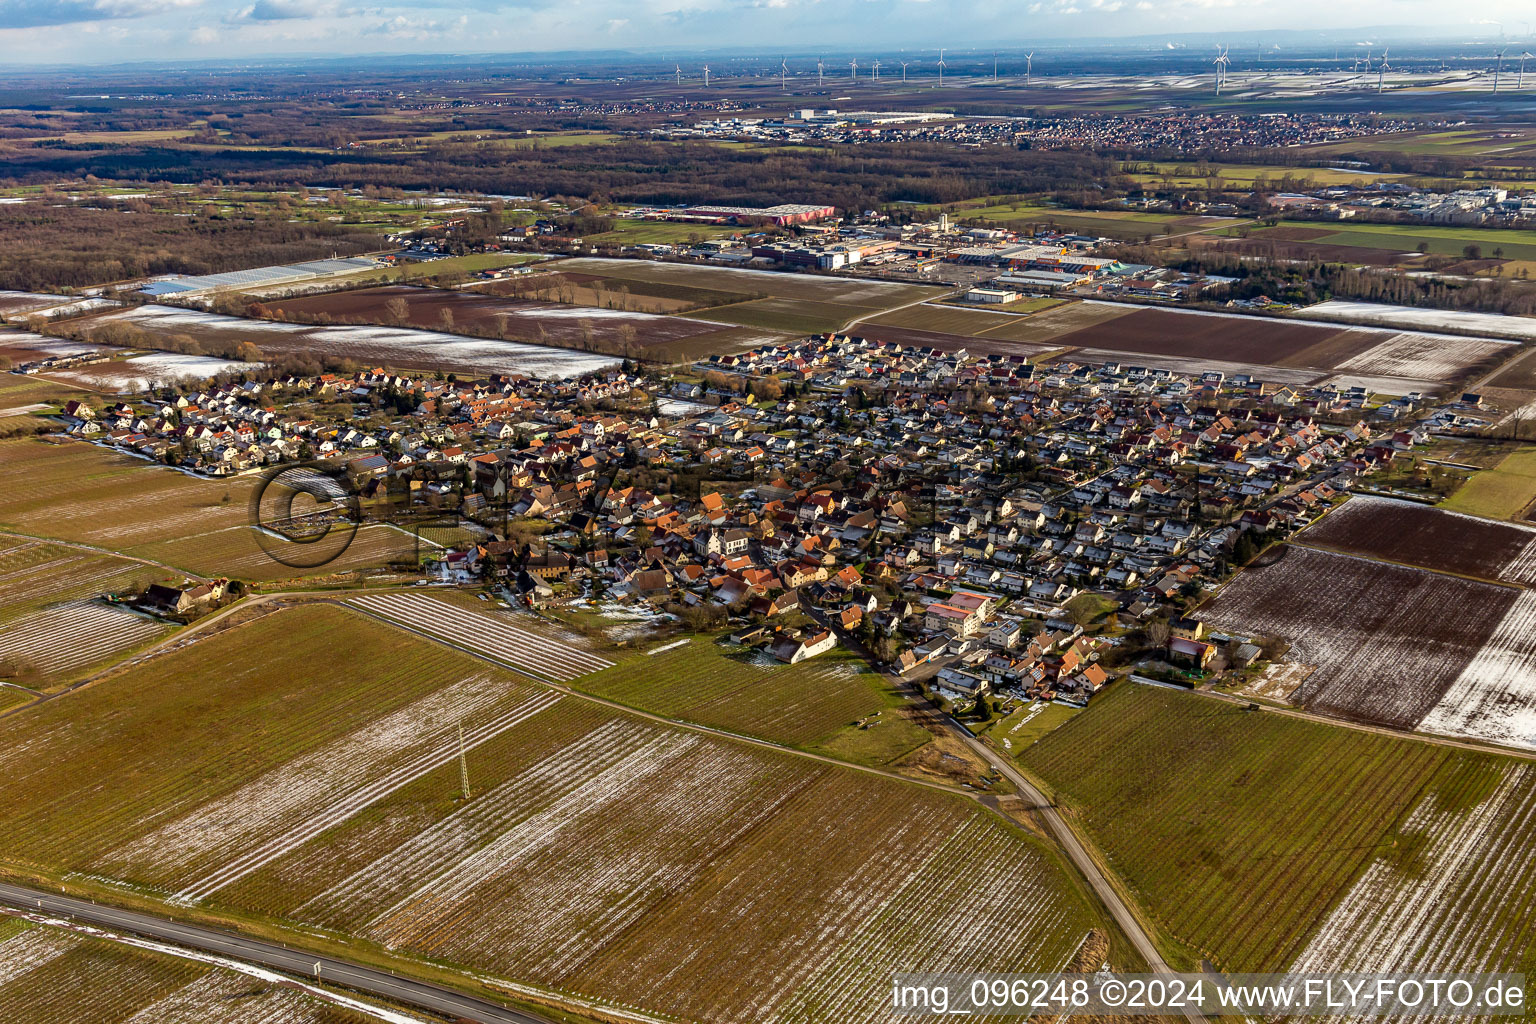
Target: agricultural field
<point x="981" y="331"/>
<point x="13" y="303"/>
<point x="24" y="346"/>
<point x="1506" y="490"/>
<point x="528" y="643"/>
<point x="789" y="316"/>
<point x="369" y="345"/>
<point x="809" y="705"/>
<point x="946" y="319"/>
<point x="55" y="975"/>
<point x="150" y="371"/>
<point x="1495" y="325"/>
<point x="1394" y="645"/>
<point x="754" y="284"/>
<point x="72" y="637"/>
<point x="591" y="328"/>
<point x="593" y="846"/>
<point x="1185" y="175"/>
<point x="1263" y="842"/>
<point x="1280" y="351"/>
<point x="1414" y="534"/>
<point x="1404" y="238"/>
<point x="1122" y="224"/>
<point x="79" y="492"/>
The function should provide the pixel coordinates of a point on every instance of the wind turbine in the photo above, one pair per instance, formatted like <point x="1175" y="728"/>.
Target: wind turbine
<point x="853" y="69"/>
<point x="904" y="70"/>
<point x="941" y="69"/>
<point x="876" y="67"/>
<point x="1527" y="55"/>
<point x="784" y="74"/>
<point x="1029" y="65"/>
<point x="1381" y="70"/>
<point x="706" y="76"/>
<point x="1220" y="63"/>
<point x="821" y="68"/>
<point x="678" y="68"/>
<point x="1497" y="67"/>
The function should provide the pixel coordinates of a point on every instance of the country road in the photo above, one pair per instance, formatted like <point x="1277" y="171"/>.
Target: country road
<point x="371" y="981"/>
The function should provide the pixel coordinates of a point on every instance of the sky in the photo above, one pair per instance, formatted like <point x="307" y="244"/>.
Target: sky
<point x="110" y="31"/>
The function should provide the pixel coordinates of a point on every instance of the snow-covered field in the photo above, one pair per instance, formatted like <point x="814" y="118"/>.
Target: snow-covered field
<point x="1494" y="698"/>
<point x="394" y="346"/>
<point x="19" y="303"/>
<point x="77" y="633"/>
<point x="223" y="841"/>
<point x="1421" y="356"/>
<point x="1460" y="905"/>
<point x="1388" y="640"/>
<point x="139" y="373"/>
<point x="845" y="289"/>
<point x="543" y="650"/>
<point x="11" y="340"/>
<point x="21" y="954"/>
<point x="1495" y="324"/>
<point x="681" y="407"/>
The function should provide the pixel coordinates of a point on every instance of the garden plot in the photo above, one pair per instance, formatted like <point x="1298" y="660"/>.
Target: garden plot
<point x="1388" y="640"/>
<point x="76" y="634"/>
<point x="1493" y="324"/>
<point x="1432" y="538"/>
<point x="1422" y="356"/>
<point x="542" y="651"/>
<point x="1454" y="892"/>
<point x="222" y="841"/>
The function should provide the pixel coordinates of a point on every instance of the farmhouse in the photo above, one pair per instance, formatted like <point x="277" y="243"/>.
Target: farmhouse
<point x="794" y="649"/>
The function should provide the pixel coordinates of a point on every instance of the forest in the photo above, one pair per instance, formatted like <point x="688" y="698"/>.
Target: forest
<point x="48" y="247"/>
<point x="628" y="170"/>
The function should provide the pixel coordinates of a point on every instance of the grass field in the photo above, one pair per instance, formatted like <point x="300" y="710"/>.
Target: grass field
<point x="56" y="976"/>
<point x="1256" y="840"/>
<point x="251" y="775"/>
<point x="1505" y="491"/>
<point x="814" y="705"/>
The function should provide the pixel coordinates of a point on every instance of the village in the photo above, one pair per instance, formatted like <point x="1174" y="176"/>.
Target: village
<point x="980" y="523"/>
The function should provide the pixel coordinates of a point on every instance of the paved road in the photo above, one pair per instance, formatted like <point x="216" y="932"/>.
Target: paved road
<point x="342" y="973"/>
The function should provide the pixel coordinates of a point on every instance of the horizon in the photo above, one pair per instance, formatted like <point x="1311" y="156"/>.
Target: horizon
<point x="65" y="34"/>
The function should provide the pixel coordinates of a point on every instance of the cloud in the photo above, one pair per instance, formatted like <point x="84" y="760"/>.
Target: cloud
<point x="283" y="10"/>
<point x="42" y="13"/>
